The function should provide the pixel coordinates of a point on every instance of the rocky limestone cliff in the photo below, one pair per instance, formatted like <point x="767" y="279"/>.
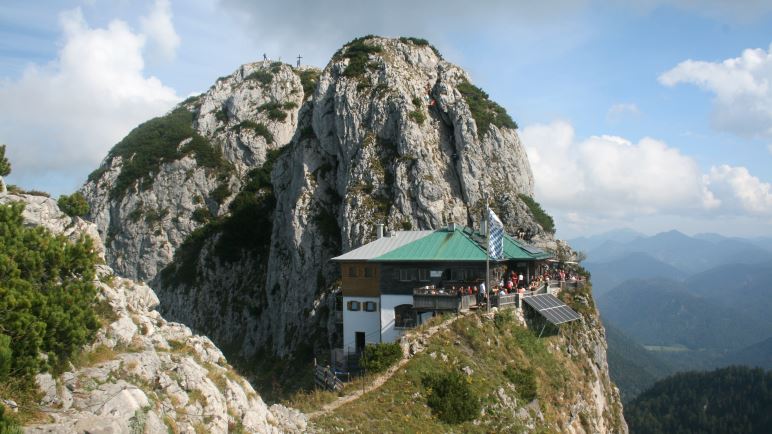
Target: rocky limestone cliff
<point x="173" y="173"/>
<point x="388" y="133"/>
<point x="142" y="373"/>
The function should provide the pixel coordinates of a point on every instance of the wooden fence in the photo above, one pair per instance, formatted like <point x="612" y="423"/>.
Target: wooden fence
<point x="326" y="378"/>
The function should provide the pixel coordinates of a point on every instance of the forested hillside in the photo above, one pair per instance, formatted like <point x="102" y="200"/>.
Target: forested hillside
<point x="632" y="368"/>
<point x="725" y="401"/>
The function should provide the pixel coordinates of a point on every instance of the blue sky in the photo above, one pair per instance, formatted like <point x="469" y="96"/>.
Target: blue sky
<point x="604" y="92"/>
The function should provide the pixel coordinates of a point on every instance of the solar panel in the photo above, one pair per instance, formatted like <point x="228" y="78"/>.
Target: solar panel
<point x="528" y="248"/>
<point x="554" y="310"/>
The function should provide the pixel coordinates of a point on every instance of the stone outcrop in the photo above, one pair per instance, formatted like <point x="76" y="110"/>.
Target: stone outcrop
<point x="142" y="373"/>
<point x="242" y="117"/>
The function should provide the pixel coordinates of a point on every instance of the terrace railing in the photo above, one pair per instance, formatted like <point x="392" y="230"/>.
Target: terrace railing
<point x="443" y="302"/>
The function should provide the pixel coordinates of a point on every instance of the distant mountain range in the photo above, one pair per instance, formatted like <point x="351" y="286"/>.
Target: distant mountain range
<point x="637" y="265"/>
<point x="688" y="254"/>
<point x="662" y="312"/>
<point x="758" y="354"/>
<point x="680" y="302"/>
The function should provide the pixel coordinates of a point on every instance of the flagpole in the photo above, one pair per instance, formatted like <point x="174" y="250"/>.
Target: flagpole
<point x="487" y="254"/>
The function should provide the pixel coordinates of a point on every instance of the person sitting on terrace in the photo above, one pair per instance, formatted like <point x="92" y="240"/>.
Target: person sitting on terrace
<point x="510" y="284"/>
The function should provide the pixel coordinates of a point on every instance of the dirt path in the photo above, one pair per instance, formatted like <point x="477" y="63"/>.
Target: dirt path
<point x="382" y="378"/>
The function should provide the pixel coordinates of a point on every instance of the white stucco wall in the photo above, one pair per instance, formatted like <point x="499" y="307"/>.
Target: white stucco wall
<point x="388" y="303"/>
<point x="361" y="321"/>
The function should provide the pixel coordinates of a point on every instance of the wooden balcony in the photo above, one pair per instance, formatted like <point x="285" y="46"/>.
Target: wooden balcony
<point x="423" y="302"/>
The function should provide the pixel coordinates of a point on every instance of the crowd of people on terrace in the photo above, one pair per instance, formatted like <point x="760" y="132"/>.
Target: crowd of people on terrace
<point x="512" y="283"/>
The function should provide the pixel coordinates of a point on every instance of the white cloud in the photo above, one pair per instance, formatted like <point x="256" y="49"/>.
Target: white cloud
<point x="159" y="29"/>
<point x="739" y="190"/>
<point x="742" y="87"/>
<point x="65" y="115"/>
<point x="618" y="111"/>
<point x="610" y="175"/>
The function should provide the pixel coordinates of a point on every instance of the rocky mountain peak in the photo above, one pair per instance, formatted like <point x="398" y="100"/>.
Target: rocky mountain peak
<point x="242" y="194"/>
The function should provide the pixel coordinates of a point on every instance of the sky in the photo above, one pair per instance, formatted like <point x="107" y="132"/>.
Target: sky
<point x="653" y="115"/>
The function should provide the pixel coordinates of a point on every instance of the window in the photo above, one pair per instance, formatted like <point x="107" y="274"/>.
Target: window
<point x="423" y="275"/>
<point x="408" y="274"/>
<point x="458" y="274"/>
<point x="369" y="271"/>
<point x="353" y="306"/>
<point x="404" y="316"/>
<point x="352" y="271"/>
<point x="370" y="306"/>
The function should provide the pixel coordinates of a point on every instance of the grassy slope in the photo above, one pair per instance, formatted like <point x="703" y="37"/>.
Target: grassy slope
<point x="487" y="347"/>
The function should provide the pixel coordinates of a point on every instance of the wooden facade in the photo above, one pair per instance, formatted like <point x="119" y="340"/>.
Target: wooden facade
<point x="401" y="278"/>
<point x="360" y="279"/>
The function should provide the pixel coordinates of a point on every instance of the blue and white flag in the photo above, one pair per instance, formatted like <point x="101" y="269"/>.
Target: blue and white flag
<point x="496" y="239"/>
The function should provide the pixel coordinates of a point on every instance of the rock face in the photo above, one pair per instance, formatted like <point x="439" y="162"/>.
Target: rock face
<point x="597" y="407"/>
<point x="241" y="117"/>
<point x="388" y="132"/>
<point x="142" y="373"/>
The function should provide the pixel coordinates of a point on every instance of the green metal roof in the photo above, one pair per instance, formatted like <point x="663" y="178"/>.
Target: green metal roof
<point x="457" y="245"/>
<point x="440" y="245"/>
<point x="513" y="250"/>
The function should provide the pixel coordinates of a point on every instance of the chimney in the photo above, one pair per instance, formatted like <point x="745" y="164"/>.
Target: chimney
<point x="451" y="226"/>
<point x="379" y="231"/>
<point x="484" y="227"/>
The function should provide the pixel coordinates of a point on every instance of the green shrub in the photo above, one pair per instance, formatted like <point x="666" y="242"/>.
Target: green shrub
<point x="307" y="133"/>
<point x="201" y="215"/>
<point x="6" y="356"/>
<point x="153" y="216"/>
<point x="8" y="425"/>
<point x="220" y="193"/>
<point x="358" y="53"/>
<point x="450" y="397"/>
<point x="5" y="165"/>
<point x="524" y="380"/>
<point x="259" y="129"/>
<point x="276" y="67"/>
<point x="542" y="218"/>
<point x="328" y="227"/>
<point x="46" y="294"/>
<point x="415" y="41"/>
<point x="194" y="100"/>
<point x="74" y="205"/>
<point x="246" y="230"/>
<point x="221" y="115"/>
<point x="420" y="42"/>
<point x="484" y="111"/>
<point x="418" y="116"/>
<point x="274" y="110"/>
<point x="263" y="77"/>
<point x="379" y="357"/>
<point x="503" y="319"/>
<point x="309" y="78"/>
<point x="156" y="142"/>
<point x="289" y="105"/>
